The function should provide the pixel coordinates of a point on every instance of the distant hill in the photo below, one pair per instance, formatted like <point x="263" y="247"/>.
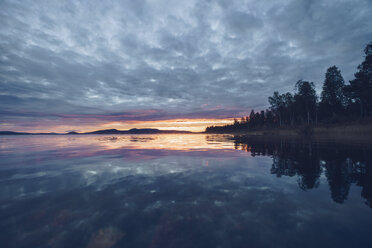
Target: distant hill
<point x="72" y="132"/>
<point x="106" y="131"/>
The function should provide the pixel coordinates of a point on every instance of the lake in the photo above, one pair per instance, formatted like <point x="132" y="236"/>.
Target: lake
<point x="191" y="190"/>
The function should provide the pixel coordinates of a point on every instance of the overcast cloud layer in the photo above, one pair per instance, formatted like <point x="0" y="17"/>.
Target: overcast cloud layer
<point x="89" y="61"/>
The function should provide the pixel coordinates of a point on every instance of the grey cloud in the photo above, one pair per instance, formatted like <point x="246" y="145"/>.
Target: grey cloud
<point x="241" y="22"/>
<point x="174" y="56"/>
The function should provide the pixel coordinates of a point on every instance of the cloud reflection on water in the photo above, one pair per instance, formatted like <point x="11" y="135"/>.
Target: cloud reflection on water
<point x="126" y="191"/>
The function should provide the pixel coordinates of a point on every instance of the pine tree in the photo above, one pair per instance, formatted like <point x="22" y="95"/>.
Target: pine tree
<point x="332" y="96"/>
<point x="360" y="88"/>
<point x="305" y="100"/>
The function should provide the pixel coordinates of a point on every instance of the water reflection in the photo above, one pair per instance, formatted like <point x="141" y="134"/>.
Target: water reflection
<point x="342" y="165"/>
<point x="180" y="142"/>
<point x="182" y="191"/>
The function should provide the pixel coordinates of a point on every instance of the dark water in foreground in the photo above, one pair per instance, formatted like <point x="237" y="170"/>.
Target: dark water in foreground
<point x="183" y="191"/>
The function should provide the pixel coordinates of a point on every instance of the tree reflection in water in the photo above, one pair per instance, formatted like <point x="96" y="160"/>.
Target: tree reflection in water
<point x="342" y="165"/>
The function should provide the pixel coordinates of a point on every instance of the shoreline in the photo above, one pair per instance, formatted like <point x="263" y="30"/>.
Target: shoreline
<point x="350" y="132"/>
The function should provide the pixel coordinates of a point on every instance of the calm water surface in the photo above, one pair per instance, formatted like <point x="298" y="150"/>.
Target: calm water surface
<point x="183" y="191"/>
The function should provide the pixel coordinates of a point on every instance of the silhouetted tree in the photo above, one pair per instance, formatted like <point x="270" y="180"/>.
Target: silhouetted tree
<point x="332" y="96"/>
<point x="262" y="118"/>
<point x="269" y="118"/>
<point x="360" y="89"/>
<point x="252" y="119"/>
<point x="289" y="107"/>
<point x="277" y="105"/>
<point x="305" y="100"/>
<point x="282" y="106"/>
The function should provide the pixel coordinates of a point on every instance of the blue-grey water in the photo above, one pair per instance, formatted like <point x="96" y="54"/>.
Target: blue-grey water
<point x="183" y="191"/>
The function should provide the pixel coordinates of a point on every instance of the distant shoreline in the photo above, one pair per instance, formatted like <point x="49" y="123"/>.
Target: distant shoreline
<point x="107" y="131"/>
<point x="353" y="132"/>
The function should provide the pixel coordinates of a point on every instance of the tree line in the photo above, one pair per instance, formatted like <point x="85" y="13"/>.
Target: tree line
<point x="338" y="102"/>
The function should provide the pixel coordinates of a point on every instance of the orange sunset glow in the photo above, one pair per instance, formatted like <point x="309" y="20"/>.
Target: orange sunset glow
<point x="62" y="126"/>
<point x="193" y="125"/>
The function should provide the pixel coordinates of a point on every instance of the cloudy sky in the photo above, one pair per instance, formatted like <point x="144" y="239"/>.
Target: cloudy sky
<point x="86" y="65"/>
